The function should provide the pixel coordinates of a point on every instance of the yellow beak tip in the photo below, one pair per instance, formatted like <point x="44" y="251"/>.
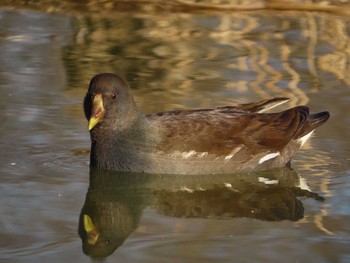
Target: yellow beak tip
<point x="97" y="111"/>
<point x="89" y="227"/>
<point x="92" y="123"/>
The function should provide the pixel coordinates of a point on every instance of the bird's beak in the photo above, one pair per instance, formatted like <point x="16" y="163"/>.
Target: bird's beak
<point x="91" y="230"/>
<point x="97" y="111"/>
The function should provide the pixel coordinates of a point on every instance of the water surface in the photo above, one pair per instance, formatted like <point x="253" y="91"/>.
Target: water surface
<point x="172" y="60"/>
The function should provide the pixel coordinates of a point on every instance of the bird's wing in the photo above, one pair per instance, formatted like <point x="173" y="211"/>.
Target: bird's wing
<point x="224" y="131"/>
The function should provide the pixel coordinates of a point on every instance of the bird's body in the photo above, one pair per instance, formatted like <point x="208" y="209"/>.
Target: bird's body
<point x="221" y="140"/>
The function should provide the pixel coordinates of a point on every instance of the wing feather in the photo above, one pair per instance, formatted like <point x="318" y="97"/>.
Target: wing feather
<point x="219" y="132"/>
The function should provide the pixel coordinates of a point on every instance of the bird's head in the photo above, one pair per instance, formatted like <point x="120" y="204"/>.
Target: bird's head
<point x="108" y="101"/>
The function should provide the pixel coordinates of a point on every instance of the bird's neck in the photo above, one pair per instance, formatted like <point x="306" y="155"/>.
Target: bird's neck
<point x="116" y="148"/>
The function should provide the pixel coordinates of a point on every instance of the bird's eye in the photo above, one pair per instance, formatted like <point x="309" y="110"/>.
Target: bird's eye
<point x="114" y="95"/>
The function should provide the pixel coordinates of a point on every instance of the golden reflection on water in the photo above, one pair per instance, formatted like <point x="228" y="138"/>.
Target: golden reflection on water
<point x="324" y="171"/>
<point x="107" y="6"/>
<point x="187" y="54"/>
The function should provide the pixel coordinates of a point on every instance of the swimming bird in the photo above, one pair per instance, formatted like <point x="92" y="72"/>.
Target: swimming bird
<point x="228" y="139"/>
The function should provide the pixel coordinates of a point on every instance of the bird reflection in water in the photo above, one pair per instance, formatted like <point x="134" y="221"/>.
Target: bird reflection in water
<point x="115" y="201"/>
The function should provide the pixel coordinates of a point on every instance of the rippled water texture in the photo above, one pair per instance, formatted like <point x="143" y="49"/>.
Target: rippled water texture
<point x="172" y="60"/>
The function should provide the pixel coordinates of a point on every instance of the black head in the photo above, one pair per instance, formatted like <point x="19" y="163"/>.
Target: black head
<point x="108" y="101"/>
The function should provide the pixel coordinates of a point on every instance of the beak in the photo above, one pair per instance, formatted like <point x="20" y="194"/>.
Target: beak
<point x="97" y="111"/>
<point x="90" y="229"/>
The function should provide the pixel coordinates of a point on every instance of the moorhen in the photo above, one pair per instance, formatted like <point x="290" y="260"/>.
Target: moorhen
<point x="227" y="139"/>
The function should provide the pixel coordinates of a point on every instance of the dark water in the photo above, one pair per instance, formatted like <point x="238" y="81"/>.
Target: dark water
<point x="181" y="60"/>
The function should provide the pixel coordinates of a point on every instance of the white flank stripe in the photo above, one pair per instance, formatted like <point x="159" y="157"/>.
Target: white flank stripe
<point x="236" y="150"/>
<point x="185" y="189"/>
<point x="228" y="157"/>
<point x="267" y="180"/>
<point x="303" y="139"/>
<point x="201" y="155"/>
<point x="189" y="154"/>
<point x="268" y="157"/>
<point x="228" y="185"/>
